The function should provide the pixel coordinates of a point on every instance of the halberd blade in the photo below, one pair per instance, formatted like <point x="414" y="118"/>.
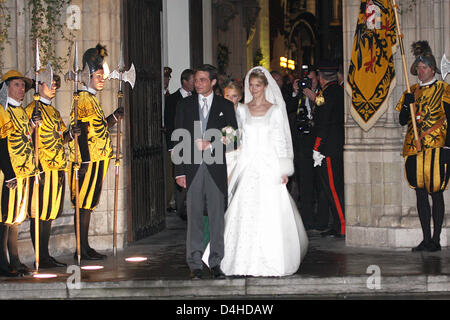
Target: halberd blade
<point x="130" y="76"/>
<point x="69" y="76"/>
<point x="38" y="60"/>
<point x="76" y="66"/>
<point x="114" y="75"/>
<point x="4" y="95"/>
<point x="445" y="66"/>
<point x="85" y="76"/>
<point x="46" y="76"/>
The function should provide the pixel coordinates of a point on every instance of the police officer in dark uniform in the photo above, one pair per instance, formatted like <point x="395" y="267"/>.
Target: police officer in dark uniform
<point x="329" y="143"/>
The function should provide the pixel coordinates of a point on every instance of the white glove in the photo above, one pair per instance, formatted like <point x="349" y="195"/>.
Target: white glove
<point x="317" y="157"/>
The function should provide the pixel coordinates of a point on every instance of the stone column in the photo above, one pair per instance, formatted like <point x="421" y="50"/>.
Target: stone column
<point x="380" y="206"/>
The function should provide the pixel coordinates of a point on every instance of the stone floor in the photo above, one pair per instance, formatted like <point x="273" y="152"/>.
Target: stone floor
<point x="330" y="270"/>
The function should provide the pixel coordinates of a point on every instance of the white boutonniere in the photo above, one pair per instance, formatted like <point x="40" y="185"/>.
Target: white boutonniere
<point x="229" y="135"/>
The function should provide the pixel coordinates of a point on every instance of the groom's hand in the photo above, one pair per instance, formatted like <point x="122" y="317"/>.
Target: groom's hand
<point x="202" y="144"/>
<point x="181" y="181"/>
<point x="284" y="179"/>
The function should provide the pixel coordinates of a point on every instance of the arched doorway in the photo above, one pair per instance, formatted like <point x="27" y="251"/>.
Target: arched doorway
<point x="302" y="40"/>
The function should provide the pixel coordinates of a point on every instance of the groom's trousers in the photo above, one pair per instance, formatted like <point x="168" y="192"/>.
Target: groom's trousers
<point x="203" y="190"/>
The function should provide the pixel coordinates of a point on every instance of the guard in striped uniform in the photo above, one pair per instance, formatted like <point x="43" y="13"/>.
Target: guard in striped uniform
<point x="53" y="134"/>
<point x="95" y="148"/>
<point x="427" y="168"/>
<point x="17" y="162"/>
<point x="329" y="144"/>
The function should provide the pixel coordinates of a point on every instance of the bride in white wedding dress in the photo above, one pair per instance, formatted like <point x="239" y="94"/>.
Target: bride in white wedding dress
<point x="264" y="234"/>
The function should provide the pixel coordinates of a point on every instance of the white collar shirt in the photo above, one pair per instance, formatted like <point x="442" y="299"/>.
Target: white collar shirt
<point x="209" y="100"/>
<point x="184" y="93"/>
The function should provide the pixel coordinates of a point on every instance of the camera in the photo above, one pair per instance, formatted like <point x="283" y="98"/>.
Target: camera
<point x="305" y="82"/>
<point x="303" y="123"/>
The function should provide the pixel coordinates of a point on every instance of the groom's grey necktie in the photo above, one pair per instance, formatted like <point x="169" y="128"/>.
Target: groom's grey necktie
<point x="205" y="107"/>
<point x="204" y="114"/>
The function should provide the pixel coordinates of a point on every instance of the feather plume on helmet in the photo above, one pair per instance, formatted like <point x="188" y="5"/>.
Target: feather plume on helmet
<point x="94" y="57"/>
<point x="422" y="53"/>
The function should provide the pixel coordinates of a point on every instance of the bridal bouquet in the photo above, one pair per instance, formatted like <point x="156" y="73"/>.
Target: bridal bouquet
<point x="229" y="135"/>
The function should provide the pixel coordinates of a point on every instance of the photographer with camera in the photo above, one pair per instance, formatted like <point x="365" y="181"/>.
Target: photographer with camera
<point x="304" y="91"/>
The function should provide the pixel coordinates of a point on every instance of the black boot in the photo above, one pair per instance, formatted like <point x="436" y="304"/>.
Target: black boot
<point x="14" y="261"/>
<point x="438" y="213"/>
<point x="4" y="265"/>
<point x="424" y="211"/>
<point x="45" y="260"/>
<point x="87" y="253"/>
<point x="423" y="246"/>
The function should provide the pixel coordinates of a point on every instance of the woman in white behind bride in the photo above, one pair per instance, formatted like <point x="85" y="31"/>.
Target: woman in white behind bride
<point x="232" y="92"/>
<point x="264" y="234"/>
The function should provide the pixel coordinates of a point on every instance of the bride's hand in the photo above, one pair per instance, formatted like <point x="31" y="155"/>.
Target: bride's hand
<point x="284" y="179"/>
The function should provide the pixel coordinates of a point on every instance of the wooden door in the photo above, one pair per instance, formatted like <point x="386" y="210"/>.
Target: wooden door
<point x="142" y="33"/>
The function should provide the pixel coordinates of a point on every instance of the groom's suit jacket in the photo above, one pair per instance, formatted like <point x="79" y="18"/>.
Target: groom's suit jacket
<point x="221" y="114"/>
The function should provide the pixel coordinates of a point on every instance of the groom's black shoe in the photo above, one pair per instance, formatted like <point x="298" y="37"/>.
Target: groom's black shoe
<point x="196" y="274"/>
<point x="216" y="273"/>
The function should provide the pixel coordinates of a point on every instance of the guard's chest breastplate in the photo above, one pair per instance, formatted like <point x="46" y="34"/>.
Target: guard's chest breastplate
<point x="430" y="118"/>
<point x="20" y="144"/>
<point x="51" y="147"/>
<point x="98" y="136"/>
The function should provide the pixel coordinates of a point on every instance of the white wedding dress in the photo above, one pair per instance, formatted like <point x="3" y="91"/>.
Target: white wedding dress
<point x="232" y="156"/>
<point x="264" y="234"/>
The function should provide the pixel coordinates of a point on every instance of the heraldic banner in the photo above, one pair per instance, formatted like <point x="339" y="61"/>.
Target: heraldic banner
<point x="371" y="75"/>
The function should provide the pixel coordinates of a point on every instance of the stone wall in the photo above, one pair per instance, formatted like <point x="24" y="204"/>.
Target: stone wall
<point x="380" y="206"/>
<point x="100" y="22"/>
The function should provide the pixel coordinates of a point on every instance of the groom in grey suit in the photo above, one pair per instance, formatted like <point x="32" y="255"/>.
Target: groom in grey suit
<point x="206" y="181"/>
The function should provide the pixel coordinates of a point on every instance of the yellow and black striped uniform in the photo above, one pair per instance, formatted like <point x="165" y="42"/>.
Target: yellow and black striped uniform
<point x="17" y="161"/>
<point x="52" y="162"/>
<point x="426" y="169"/>
<point x="95" y="151"/>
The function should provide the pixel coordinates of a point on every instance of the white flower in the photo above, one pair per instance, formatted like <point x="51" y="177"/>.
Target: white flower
<point x="229" y="135"/>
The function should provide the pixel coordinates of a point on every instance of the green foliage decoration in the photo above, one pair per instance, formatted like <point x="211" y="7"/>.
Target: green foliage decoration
<point x="46" y="25"/>
<point x="223" y="55"/>
<point x="258" y="58"/>
<point x="406" y="6"/>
